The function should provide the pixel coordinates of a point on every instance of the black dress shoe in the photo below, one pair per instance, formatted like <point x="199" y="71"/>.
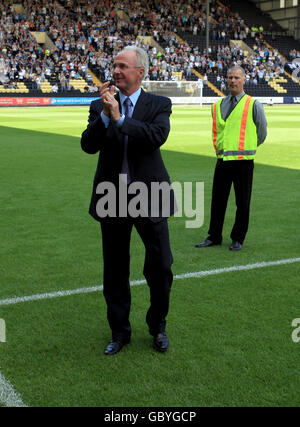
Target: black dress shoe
<point x="235" y="246"/>
<point x="114" y="347"/>
<point x="206" y="244"/>
<point x="161" y="342"/>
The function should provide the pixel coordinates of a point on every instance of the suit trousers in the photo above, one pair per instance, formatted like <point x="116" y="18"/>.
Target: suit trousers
<point x="240" y="173"/>
<point x="116" y="234"/>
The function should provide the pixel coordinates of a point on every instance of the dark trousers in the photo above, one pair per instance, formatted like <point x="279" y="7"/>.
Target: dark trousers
<point x="116" y="234"/>
<point x="240" y="173"/>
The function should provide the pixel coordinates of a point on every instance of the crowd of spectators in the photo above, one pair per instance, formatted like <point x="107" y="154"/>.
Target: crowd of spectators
<point x="88" y="34"/>
<point x="261" y="65"/>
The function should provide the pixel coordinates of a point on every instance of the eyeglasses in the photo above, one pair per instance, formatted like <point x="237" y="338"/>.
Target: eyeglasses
<point x="123" y="67"/>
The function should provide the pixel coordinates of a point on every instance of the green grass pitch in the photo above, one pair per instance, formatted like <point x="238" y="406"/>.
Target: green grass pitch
<point x="230" y="333"/>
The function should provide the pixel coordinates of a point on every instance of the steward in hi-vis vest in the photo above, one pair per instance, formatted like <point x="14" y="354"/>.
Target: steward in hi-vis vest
<point x="239" y="126"/>
<point x="235" y="138"/>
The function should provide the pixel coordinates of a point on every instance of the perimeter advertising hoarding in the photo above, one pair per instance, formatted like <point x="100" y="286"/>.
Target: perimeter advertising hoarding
<point x="24" y="101"/>
<point x="72" y="101"/>
<point x="87" y="100"/>
<point x="46" y="101"/>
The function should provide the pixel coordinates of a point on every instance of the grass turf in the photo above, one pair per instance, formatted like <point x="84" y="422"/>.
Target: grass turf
<point x="230" y="334"/>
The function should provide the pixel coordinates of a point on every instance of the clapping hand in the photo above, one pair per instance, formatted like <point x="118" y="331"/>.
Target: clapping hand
<point x="110" y="104"/>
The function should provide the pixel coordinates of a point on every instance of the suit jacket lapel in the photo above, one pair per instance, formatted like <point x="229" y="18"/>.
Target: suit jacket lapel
<point x="140" y="107"/>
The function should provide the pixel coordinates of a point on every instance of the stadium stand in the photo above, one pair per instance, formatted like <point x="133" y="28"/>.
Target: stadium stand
<point x="276" y="42"/>
<point x="80" y="38"/>
<point x="254" y="17"/>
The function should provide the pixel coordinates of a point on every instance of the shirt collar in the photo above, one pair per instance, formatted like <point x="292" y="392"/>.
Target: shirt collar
<point x="133" y="97"/>
<point x="239" y="96"/>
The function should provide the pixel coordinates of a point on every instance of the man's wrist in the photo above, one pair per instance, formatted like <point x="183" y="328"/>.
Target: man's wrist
<point x="105" y="119"/>
<point x="120" y="121"/>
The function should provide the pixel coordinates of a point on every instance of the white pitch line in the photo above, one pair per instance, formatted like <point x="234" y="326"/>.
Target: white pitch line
<point x="8" y="396"/>
<point x="197" y="274"/>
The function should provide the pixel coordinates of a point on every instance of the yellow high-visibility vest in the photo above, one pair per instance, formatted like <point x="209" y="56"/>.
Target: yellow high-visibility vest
<point x="235" y="138"/>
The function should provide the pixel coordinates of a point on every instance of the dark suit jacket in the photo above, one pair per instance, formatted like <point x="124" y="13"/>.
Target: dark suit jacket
<point x="147" y="130"/>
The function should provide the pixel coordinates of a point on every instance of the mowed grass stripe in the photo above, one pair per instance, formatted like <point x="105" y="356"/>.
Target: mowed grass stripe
<point x="230" y="334"/>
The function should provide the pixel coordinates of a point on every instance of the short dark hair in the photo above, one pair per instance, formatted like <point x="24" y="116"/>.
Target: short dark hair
<point x="237" y="67"/>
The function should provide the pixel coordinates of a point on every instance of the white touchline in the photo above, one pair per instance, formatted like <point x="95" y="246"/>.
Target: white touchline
<point x="8" y="396"/>
<point x="197" y="274"/>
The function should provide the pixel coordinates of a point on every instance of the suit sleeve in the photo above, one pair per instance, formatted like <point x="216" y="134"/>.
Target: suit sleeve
<point x="94" y="135"/>
<point x="152" y="132"/>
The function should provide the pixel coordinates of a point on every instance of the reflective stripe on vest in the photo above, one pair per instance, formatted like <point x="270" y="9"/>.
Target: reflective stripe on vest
<point x="243" y="127"/>
<point x="215" y="127"/>
<point x="239" y="153"/>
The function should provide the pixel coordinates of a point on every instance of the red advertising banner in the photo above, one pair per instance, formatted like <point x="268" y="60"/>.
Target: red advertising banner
<point x="24" y="101"/>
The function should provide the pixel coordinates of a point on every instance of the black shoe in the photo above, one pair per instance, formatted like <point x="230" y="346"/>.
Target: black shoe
<point x="114" y="347"/>
<point x="206" y="244"/>
<point x="235" y="246"/>
<point x="161" y="342"/>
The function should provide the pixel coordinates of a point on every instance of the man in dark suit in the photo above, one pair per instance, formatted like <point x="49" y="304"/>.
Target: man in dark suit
<point x="128" y="130"/>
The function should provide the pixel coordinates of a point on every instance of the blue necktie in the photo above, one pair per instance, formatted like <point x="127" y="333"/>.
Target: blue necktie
<point x="125" y="167"/>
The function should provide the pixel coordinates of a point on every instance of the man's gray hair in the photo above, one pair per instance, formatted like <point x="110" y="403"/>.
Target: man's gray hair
<point x="237" y="67"/>
<point x="142" y="59"/>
